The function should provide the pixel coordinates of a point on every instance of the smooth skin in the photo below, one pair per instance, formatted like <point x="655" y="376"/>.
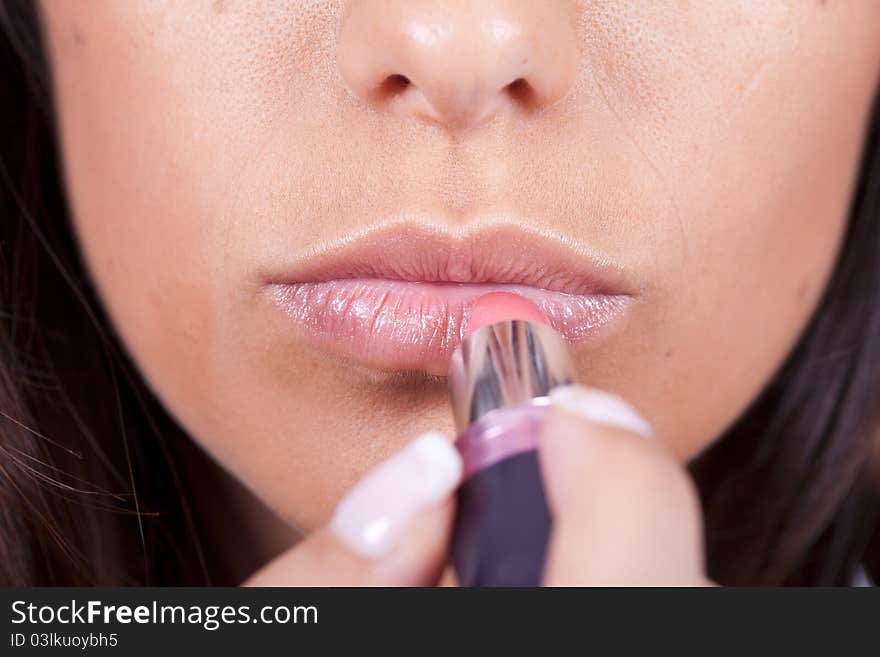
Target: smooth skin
<point x="708" y="148"/>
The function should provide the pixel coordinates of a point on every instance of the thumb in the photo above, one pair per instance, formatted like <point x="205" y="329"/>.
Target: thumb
<point x="625" y="511"/>
<point x="391" y="529"/>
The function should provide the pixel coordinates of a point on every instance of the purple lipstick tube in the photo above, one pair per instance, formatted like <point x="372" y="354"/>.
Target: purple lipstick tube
<point x="499" y="379"/>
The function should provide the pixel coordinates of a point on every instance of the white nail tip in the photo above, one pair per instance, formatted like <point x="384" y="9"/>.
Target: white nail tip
<point x="600" y="407"/>
<point x="372" y="515"/>
<point x="439" y="457"/>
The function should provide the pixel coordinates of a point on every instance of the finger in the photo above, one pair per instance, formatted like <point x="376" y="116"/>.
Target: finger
<point x="625" y="512"/>
<point x="391" y="529"/>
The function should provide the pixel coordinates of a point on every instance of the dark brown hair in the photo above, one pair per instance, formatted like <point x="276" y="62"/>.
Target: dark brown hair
<point x="92" y="489"/>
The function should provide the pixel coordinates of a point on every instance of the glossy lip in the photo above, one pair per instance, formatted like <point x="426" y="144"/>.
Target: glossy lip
<point x="398" y="298"/>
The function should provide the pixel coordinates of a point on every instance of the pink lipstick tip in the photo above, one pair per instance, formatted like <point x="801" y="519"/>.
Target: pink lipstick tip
<point x="501" y="306"/>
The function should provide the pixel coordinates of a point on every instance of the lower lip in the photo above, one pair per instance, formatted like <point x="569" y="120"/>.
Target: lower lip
<point x="402" y="325"/>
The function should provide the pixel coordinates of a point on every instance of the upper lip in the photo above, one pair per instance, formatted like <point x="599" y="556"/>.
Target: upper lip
<point x="498" y="254"/>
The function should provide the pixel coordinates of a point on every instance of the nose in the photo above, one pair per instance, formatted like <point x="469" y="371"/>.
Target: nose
<point x="458" y="62"/>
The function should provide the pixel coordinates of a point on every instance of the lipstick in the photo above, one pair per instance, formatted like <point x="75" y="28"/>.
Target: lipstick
<point x="499" y="379"/>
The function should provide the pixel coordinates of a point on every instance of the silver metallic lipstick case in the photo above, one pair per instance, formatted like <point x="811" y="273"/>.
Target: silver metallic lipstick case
<point x="499" y="379"/>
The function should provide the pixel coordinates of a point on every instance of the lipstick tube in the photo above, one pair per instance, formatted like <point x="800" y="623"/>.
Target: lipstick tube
<point x="499" y="379"/>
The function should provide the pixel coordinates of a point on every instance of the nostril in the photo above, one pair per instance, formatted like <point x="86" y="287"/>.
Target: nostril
<point x="392" y="86"/>
<point x="522" y="92"/>
<point x="457" y="64"/>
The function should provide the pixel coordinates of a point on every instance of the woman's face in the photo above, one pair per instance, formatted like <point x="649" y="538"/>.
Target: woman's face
<point x="669" y="181"/>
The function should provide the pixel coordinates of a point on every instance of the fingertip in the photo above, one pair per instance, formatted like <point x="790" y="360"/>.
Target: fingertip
<point x="585" y="432"/>
<point x="374" y="513"/>
<point x="600" y="407"/>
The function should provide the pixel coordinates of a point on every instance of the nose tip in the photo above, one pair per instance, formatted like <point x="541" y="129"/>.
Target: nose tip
<point x="457" y="63"/>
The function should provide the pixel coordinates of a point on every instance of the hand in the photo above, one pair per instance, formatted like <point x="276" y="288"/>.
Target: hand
<point x="392" y="529"/>
<point x="625" y="512"/>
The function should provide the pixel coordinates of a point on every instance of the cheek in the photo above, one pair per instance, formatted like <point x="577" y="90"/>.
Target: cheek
<point x="752" y="202"/>
<point x="156" y="177"/>
<point x="743" y="123"/>
<point x="146" y="243"/>
<point x="753" y="262"/>
<point x="151" y="245"/>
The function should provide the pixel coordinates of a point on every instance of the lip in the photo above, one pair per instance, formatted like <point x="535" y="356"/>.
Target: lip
<point x="398" y="298"/>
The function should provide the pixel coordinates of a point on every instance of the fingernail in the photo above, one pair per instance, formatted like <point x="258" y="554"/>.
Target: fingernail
<point x="370" y="518"/>
<point x="600" y="407"/>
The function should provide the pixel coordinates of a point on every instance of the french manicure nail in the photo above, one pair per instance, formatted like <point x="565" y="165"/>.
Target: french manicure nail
<point x="370" y="518"/>
<point x="600" y="407"/>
